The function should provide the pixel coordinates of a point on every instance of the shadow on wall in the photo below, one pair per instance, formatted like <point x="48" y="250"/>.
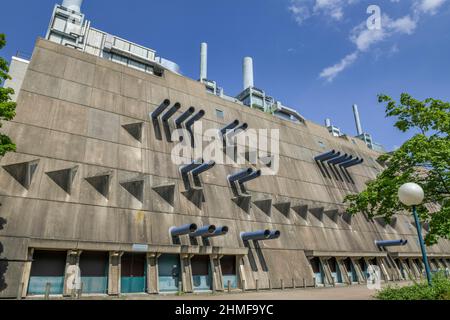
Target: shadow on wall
<point x="251" y="256"/>
<point x="3" y="263"/>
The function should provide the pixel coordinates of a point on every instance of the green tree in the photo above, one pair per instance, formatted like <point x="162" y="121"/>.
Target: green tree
<point x="423" y="159"/>
<point x="7" y="107"/>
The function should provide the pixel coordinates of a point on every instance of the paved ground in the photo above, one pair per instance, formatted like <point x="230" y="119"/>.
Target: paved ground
<point x="354" y="292"/>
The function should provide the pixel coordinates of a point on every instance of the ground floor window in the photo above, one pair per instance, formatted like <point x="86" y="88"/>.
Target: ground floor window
<point x="94" y="271"/>
<point x="228" y="266"/>
<point x="201" y="273"/>
<point x="169" y="272"/>
<point x="47" y="272"/>
<point x="133" y="273"/>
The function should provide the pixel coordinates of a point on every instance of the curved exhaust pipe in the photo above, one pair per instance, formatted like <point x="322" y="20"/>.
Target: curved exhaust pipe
<point x="348" y="161"/>
<point x="160" y="109"/>
<point x="204" y="231"/>
<point x="194" y="118"/>
<point x="239" y="175"/>
<point x="260" y="235"/>
<point x="237" y="131"/>
<point x="171" y="112"/>
<point x="341" y="159"/>
<point x="220" y="231"/>
<point x="249" y="177"/>
<point x="184" y="116"/>
<point x="327" y="155"/>
<point x="352" y="163"/>
<point x="189" y="167"/>
<point x="230" y="126"/>
<point x="184" y="229"/>
<point x="204" y="167"/>
<point x="389" y="243"/>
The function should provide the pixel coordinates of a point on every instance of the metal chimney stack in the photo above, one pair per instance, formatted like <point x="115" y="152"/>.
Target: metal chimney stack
<point x="247" y="69"/>
<point x="203" y="61"/>
<point x="357" y="120"/>
<point x="74" y="5"/>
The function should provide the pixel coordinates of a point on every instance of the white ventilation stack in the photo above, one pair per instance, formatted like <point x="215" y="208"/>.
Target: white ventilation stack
<point x="247" y="69"/>
<point x="328" y="122"/>
<point x="203" y="61"/>
<point x="74" y="5"/>
<point x="357" y="120"/>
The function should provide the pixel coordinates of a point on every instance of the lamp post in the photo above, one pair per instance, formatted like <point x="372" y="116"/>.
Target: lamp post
<point x="411" y="194"/>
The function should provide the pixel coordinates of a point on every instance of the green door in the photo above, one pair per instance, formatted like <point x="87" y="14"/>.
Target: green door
<point x="94" y="271"/>
<point x="47" y="269"/>
<point x="133" y="273"/>
<point x="168" y="272"/>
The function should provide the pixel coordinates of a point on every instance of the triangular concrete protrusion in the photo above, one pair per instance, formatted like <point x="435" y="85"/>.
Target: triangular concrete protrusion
<point x="381" y="221"/>
<point x="22" y="172"/>
<point x="134" y="129"/>
<point x="347" y="217"/>
<point x="135" y="188"/>
<point x="283" y="206"/>
<point x="393" y="222"/>
<point x="101" y="183"/>
<point x="264" y="205"/>
<point x="195" y="195"/>
<point x="301" y="210"/>
<point x="317" y="212"/>
<point x="166" y="191"/>
<point x="244" y="201"/>
<point x="64" y="178"/>
<point x="333" y="214"/>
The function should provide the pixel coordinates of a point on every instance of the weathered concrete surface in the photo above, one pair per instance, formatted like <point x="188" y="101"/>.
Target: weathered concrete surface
<point x="71" y="111"/>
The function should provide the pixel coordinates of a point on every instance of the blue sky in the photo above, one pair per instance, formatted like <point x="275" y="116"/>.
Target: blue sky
<point x="316" y="56"/>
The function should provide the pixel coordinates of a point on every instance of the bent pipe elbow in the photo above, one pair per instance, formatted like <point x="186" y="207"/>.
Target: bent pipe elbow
<point x="274" y="234"/>
<point x="194" y="118"/>
<point x="237" y="131"/>
<point x="338" y="160"/>
<point x="327" y="155"/>
<point x="204" y="231"/>
<point x="184" y="116"/>
<point x="260" y="235"/>
<point x="204" y="167"/>
<point x="171" y="112"/>
<point x="389" y="243"/>
<point x="239" y="175"/>
<point x="250" y="177"/>
<point x="230" y="126"/>
<point x="191" y="166"/>
<point x="184" y="229"/>
<point x="353" y="163"/>
<point x="155" y="114"/>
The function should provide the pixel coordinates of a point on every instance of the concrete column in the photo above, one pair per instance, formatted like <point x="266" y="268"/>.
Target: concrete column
<point x="152" y="273"/>
<point x="326" y="270"/>
<point x="217" y="279"/>
<point x="240" y="271"/>
<point x="407" y="271"/>
<point x="114" y="273"/>
<point x="186" y="272"/>
<point x="414" y="268"/>
<point x="26" y="274"/>
<point x="359" y="273"/>
<point x="73" y="258"/>
<point x="343" y="270"/>
<point x="383" y="269"/>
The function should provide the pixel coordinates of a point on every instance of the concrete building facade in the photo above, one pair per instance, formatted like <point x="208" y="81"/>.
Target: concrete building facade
<point x="92" y="190"/>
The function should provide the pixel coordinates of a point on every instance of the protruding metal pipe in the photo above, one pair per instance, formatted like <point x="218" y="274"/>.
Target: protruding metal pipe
<point x="171" y="112"/>
<point x="204" y="167"/>
<point x="204" y="231"/>
<point x="239" y="175"/>
<point x="189" y="167"/>
<point x="184" y="229"/>
<point x="160" y="109"/>
<point x="340" y="159"/>
<point x="388" y="243"/>
<point x="230" y="126"/>
<point x="184" y="116"/>
<point x="348" y="161"/>
<point x="249" y="177"/>
<point x="274" y="234"/>
<point x="352" y="163"/>
<point x="256" y="235"/>
<point x="328" y="155"/>
<point x="220" y="231"/>
<point x="237" y="131"/>
<point x="194" y="118"/>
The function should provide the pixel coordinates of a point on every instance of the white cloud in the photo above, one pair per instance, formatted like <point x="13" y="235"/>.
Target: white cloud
<point x="429" y="6"/>
<point x="331" y="72"/>
<point x="302" y="10"/>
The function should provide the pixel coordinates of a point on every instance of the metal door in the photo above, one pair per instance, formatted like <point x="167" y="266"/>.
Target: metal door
<point x="201" y="273"/>
<point x="48" y="267"/>
<point x="94" y="271"/>
<point x="228" y="266"/>
<point x="168" y="272"/>
<point x="133" y="273"/>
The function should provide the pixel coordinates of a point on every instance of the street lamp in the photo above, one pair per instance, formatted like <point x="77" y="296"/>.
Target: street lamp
<point x="411" y="194"/>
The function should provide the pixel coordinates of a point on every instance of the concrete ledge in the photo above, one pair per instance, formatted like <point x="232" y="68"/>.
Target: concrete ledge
<point x="314" y="253"/>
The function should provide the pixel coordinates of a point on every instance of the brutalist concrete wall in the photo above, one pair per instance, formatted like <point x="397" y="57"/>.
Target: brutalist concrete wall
<point x="70" y="114"/>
